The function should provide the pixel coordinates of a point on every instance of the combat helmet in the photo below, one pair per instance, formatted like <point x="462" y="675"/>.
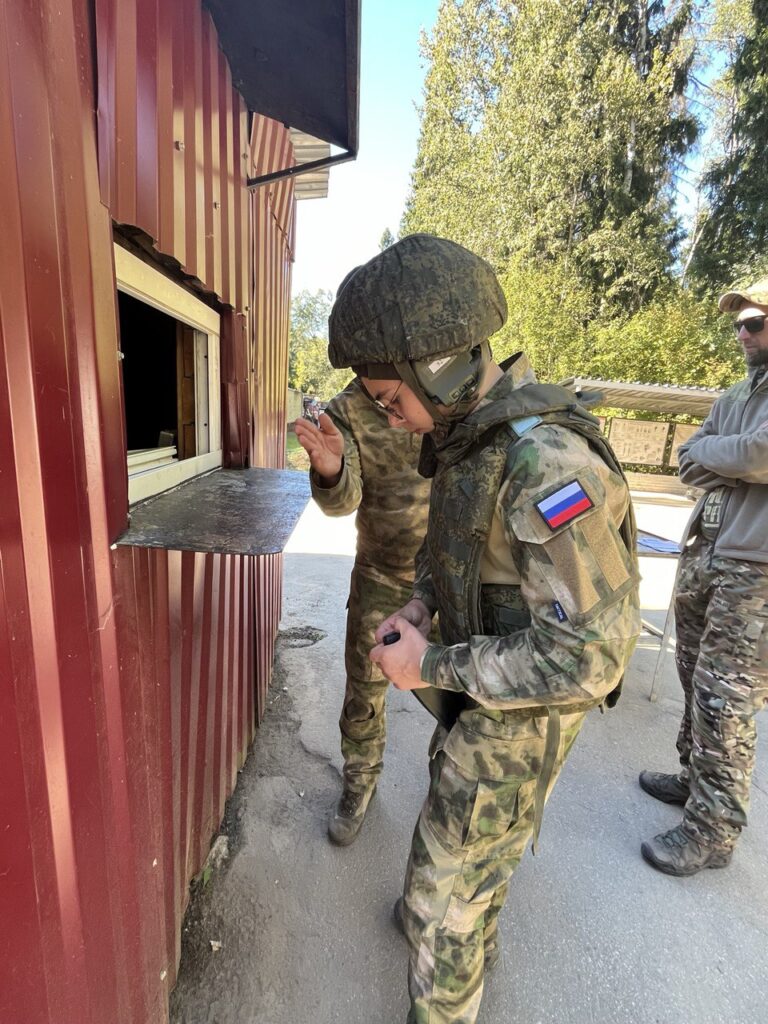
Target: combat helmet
<point x="421" y="311"/>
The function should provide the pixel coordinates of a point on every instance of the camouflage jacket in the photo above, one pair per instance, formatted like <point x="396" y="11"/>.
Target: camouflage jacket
<point x="379" y="479"/>
<point x="561" y="631"/>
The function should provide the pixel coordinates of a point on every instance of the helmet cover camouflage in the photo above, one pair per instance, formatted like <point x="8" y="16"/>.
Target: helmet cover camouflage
<point x="423" y="296"/>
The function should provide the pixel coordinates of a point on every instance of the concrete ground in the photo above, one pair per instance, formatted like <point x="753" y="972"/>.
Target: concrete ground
<point x="590" y="932"/>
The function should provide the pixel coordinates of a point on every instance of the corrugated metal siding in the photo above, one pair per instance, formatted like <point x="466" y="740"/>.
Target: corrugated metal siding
<point x="273" y="218"/>
<point x="173" y="138"/>
<point x="130" y="681"/>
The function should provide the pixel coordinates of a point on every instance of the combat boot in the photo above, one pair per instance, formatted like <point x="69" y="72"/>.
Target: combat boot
<point x="349" y="815"/>
<point x="678" y="853"/>
<point x="665" y="787"/>
<point x="492" y="948"/>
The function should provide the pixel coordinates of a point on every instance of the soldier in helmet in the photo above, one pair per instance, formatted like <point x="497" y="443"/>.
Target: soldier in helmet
<point x="358" y="463"/>
<point x="529" y="560"/>
<point x="721" y="612"/>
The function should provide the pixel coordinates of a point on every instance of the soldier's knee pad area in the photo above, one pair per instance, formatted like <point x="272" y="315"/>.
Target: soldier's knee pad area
<point x="358" y="711"/>
<point x="361" y="720"/>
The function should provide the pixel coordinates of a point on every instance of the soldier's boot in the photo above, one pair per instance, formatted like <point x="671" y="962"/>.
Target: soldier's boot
<point x="669" y="788"/>
<point x="492" y="947"/>
<point x="348" y="816"/>
<point x="678" y="853"/>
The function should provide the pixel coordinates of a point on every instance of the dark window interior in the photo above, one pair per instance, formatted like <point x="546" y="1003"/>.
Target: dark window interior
<point x="149" y="341"/>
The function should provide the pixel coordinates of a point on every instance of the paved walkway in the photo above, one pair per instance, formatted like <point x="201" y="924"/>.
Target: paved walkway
<point x="591" y="934"/>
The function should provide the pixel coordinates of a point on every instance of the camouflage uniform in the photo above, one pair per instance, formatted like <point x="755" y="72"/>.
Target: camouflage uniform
<point x="553" y="627"/>
<point x="532" y="568"/>
<point x="380" y="480"/>
<point x="721" y="611"/>
<point x="545" y="637"/>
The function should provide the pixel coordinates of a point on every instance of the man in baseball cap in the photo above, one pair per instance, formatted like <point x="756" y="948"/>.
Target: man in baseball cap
<point x="721" y="609"/>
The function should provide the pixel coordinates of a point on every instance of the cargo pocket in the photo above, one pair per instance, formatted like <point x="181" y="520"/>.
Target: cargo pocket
<point x="450" y="801"/>
<point x="583" y="561"/>
<point x="498" y="806"/>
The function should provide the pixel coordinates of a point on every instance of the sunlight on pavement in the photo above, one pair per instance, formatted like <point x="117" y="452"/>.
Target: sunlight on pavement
<point x="318" y="534"/>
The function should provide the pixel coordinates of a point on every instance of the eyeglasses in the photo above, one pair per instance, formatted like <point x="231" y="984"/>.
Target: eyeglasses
<point x="752" y="324"/>
<point x="388" y="408"/>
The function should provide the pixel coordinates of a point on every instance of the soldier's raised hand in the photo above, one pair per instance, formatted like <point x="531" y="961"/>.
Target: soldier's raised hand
<point x="325" y="447"/>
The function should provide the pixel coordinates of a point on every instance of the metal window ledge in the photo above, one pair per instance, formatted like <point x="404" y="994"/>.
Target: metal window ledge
<point x="228" y="511"/>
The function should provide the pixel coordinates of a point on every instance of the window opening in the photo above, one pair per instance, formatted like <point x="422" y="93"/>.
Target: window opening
<point x="170" y="367"/>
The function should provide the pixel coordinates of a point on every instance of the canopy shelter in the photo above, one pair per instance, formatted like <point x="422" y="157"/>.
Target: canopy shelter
<point x="298" y="62"/>
<point x="667" y="399"/>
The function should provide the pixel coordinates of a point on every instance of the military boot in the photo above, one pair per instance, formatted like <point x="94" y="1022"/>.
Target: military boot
<point x="349" y="815"/>
<point x="665" y="787"/>
<point x="678" y="853"/>
<point x="492" y="948"/>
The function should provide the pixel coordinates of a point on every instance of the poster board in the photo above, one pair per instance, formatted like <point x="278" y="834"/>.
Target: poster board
<point x="639" y="442"/>
<point x="682" y="432"/>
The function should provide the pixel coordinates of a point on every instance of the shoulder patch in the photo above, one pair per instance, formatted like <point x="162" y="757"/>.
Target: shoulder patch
<point x="564" y="505"/>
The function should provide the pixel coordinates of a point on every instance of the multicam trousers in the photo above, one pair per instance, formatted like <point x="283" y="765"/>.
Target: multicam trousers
<point x="470" y="836"/>
<point x="363" y="724"/>
<point x="721" y="610"/>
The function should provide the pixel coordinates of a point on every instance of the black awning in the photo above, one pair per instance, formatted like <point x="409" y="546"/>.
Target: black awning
<point x="297" y="61"/>
<point x="228" y="511"/>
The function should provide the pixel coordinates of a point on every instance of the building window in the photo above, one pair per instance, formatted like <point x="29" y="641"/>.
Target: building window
<point x="169" y="342"/>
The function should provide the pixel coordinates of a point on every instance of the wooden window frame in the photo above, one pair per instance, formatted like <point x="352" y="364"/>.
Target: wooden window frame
<point x="136" y="278"/>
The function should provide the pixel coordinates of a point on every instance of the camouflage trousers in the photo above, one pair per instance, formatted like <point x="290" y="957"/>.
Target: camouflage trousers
<point x="721" y="611"/>
<point x="363" y="723"/>
<point x="470" y="836"/>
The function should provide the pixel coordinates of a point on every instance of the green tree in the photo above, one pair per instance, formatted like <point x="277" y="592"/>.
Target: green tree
<point x="733" y="236"/>
<point x="551" y="131"/>
<point x="387" y="239"/>
<point x="677" y="338"/>
<point x="308" y="367"/>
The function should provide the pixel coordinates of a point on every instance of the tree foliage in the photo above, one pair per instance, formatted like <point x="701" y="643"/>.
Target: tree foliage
<point x="308" y="367"/>
<point x="550" y="132"/>
<point x="734" y="232"/>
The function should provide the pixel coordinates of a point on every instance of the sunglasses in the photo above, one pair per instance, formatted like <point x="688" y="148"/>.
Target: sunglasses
<point x="752" y="324"/>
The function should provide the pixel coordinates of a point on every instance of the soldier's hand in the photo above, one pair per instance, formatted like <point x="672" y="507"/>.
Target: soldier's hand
<point x="325" y="447"/>
<point x="415" y="612"/>
<point x="400" y="661"/>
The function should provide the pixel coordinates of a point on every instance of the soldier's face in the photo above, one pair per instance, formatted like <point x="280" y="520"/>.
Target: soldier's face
<point x="755" y="345"/>
<point x="402" y="407"/>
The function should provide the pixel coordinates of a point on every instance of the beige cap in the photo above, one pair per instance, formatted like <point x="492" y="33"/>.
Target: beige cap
<point x="756" y="294"/>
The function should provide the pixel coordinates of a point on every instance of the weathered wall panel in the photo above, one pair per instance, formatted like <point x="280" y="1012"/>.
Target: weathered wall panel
<point x="130" y="681"/>
<point x="172" y="149"/>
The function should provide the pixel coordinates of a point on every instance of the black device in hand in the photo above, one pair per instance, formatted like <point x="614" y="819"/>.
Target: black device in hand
<point x="390" y="638"/>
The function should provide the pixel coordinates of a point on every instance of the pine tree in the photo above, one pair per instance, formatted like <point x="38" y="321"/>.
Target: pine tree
<point x="734" y="235"/>
<point x="554" y="138"/>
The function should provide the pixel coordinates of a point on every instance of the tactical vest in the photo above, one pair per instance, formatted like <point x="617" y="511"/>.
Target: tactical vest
<point x="464" y="494"/>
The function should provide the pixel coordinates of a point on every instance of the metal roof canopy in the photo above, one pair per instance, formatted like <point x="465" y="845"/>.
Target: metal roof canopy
<point x="669" y="399"/>
<point x="228" y="511"/>
<point x="306" y="149"/>
<point x="298" y="62"/>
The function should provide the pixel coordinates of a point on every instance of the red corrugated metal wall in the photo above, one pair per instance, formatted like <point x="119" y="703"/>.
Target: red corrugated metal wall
<point x="130" y="680"/>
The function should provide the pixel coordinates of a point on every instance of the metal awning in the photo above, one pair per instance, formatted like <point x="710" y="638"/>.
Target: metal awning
<point x="228" y="511"/>
<point x="306" y="149"/>
<point x="298" y="62"/>
<point x="667" y="399"/>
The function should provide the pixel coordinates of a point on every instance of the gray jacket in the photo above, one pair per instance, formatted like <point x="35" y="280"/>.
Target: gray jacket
<point x="730" y="451"/>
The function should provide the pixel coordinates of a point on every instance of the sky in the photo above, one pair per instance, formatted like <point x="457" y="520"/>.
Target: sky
<point x="367" y="195"/>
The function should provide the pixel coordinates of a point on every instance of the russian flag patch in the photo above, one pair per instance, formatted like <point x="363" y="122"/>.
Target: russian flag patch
<point x="564" y="505"/>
